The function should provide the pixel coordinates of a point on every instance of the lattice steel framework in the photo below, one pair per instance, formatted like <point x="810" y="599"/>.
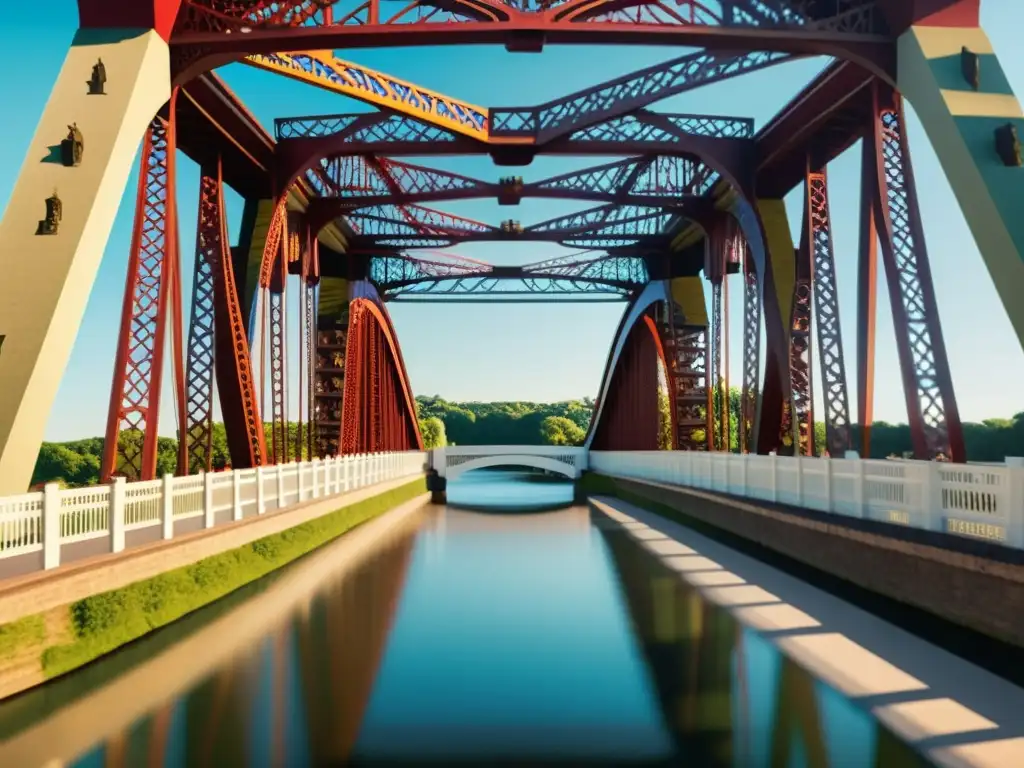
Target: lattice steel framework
<point x="313" y="140"/>
<point x="402" y="277"/>
<point x="928" y="387"/>
<point x="201" y="332"/>
<point x="826" y="310"/>
<point x="130" y="449"/>
<point x="751" y="354"/>
<point x="685" y="349"/>
<point x="798" y="421"/>
<point x="278" y="334"/>
<point x="377" y="412"/>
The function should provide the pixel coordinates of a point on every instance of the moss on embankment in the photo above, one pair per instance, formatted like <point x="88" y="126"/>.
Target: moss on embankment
<point x="102" y="623"/>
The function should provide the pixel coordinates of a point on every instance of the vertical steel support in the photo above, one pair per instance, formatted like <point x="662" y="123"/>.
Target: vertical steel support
<point x="716" y="364"/>
<point x="801" y="408"/>
<point x="935" y="427"/>
<point x="312" y="279"/>
<point x="201" y="333"/>
<point x="230" y="354"/>
<point x="751" y="353"/>
<point x="353" y="402"/>
<point x="867" y="294"/>
<point x="826" y="310"/>
<point x="138" y="367"/>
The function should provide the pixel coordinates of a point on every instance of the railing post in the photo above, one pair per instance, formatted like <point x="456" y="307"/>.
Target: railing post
<point x="299" y="484"/>
<point x="167" y="505"/>
<point x="51" y="525"/>
<point x="208" y="507"/>
<point x="116" y="520"/>
<point x="261" y="491"/>
<point x="346" y="469"/>
<point x="931" y="489"/>
<point x="279" y="468"/>
<point x="1015" y="502"/>
<point x="236" y="495"/>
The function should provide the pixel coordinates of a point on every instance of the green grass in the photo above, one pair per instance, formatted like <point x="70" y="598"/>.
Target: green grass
<point x="21" y="634"/>
<point x="101" y="623"/>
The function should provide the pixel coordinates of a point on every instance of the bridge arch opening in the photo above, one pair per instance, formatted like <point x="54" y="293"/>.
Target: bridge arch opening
<point x="518" y="461"/>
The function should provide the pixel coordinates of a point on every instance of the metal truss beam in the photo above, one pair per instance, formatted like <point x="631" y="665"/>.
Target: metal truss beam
<point x="211" y="32"/>
<point x="404" y="277"/>
<point x="932" y="412"/>
<point x="353" y="183"/>
<point x="323" y="69"/>
<point x="826" y="311"/>
<point x="313" y="141"/>
<point x="607" y="226"/>
<point x="152" y="288"/>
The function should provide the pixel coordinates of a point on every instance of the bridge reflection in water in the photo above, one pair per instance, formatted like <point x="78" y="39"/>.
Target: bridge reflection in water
<point x="471" y="636"/>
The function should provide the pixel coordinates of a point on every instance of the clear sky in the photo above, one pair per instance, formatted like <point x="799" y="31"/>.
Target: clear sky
<point x="534" y="352"/>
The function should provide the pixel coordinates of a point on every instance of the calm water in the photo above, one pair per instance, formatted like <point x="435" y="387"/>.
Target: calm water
<point x="536" y="638"/>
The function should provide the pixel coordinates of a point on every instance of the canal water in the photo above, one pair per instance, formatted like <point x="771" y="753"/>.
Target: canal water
<point x="475" y="636"/>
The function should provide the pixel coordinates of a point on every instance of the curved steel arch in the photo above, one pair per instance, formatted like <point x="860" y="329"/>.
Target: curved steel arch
<point x="355" y="437"/>
<point x="654" y="292"/>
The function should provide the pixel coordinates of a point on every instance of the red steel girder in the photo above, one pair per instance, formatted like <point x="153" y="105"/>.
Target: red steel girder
<point x="201" y="332"/>
<point x="607" y="226"/>
<point x="212" y="32"/>
<point x="797" y="434"/>
<point x="232" y="360"/>
<point x="549" y="122"/>
<point x="130" y="448"/>
<point x="390" y="221"/>
<point x="826" y="311"/>
<point x="403" y="276"/>
<point x="629" y="419"/>
<point x="749" y="396"/>
<point x="521" y="126"/>
<point x="935" y="426"/>
<point x="310" y="142"/>
<point x="378" y="412"/>
<point x="353" y="183"/>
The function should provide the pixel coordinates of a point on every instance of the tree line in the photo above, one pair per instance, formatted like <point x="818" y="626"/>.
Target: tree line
<point x="77" y="463"/>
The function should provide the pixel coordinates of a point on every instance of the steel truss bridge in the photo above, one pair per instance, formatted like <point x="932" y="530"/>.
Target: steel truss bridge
<point x="678" y="203"/>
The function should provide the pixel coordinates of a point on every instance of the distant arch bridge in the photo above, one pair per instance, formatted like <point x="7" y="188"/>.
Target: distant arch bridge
<point x="452" y="461"/>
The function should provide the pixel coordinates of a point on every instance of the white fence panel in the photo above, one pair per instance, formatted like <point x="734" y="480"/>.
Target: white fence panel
<point x="980" y="501"/>
<point x="54" y="517"/>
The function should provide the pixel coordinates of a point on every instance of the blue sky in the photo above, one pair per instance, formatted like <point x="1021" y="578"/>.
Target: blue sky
<point x="534" y="352"/>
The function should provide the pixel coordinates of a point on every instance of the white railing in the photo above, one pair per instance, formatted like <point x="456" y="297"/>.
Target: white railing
<point x="977" y="501"/>
<point x="47" y="520"/>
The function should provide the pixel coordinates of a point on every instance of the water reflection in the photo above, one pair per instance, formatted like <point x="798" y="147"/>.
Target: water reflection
<point x="510" y="490"/>
<point x="551" y="637"/>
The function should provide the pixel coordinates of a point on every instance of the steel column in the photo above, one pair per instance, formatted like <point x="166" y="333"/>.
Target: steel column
<point x="751" y="353"/>
<point x="935" y="427"/>
<point x="867" y="294"/>
<point x="826" y="310"/>
<point x="152" y="268"/>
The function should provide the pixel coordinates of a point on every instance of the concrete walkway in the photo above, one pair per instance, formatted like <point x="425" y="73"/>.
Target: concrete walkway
<point x="955" y="713"/>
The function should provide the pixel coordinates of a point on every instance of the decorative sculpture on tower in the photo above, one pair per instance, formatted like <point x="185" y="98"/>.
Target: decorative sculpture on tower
<point x="72" y="148"/>
<point x="98" y="79"/>
<point x="54" y="213"/>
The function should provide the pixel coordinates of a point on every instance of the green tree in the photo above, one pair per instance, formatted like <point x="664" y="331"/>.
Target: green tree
<point x="432" y="430"/>
<point x="559" y="430"/>
<point x="664" y="422"/>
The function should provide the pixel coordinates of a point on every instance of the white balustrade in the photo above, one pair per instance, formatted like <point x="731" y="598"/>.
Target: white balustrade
<point x="49" y="519"/>
<point x="980" y="501"/>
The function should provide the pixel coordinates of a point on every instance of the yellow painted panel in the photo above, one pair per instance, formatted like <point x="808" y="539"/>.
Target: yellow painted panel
<point x="988" y="192"/>
<point x="688" y="293"/>
<point x="333" y="297"/>
<point x="45" y="281"/>
<point x="779" y="239"/>
<point x="939" y="42"/>
<point x="971" y="104"/>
